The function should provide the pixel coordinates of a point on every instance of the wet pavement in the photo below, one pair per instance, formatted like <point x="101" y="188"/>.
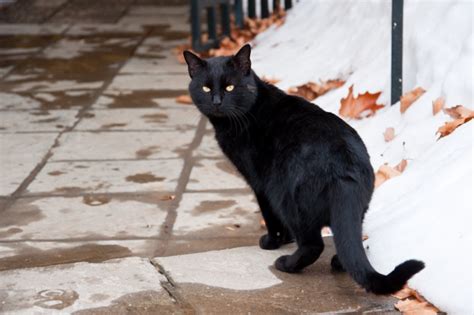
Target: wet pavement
<point x="115" y="199"/>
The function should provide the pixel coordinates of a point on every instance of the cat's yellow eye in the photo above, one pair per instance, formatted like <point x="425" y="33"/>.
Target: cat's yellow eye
<point x="229" y="88"/>
<point x="206" y="89"/>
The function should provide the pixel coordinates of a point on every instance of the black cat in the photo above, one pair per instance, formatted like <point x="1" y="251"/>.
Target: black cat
<point x="307" y="167"/>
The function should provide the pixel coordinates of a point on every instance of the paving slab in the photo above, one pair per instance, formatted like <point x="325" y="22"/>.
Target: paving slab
<point x="33" y="121"/>
<point x="13" y="101"/>
<point x="114" y="145"/>
<point x="61" y="178"/>
<point x="149" y="82"/>
<point x="32" y="29"/>
<point x="159" y="64"/>
<point x="90" y="216"/>
<point x="169" y="119"/>
<point x="28" y="254"/>
<point x="208" y="147"/>
<point x="223" y="214"/>
<point x="155" y="98"/>
<point x="243" y="280"/>
<point x="116" y="285"/>
<point x="25" y="151"/>
<point x="216" y="174"/>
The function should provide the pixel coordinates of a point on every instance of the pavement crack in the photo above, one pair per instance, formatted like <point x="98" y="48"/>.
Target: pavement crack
<point x="172" y="289"/>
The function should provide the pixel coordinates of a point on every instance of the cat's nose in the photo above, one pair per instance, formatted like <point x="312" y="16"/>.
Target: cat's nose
<point x="216" y="100"/>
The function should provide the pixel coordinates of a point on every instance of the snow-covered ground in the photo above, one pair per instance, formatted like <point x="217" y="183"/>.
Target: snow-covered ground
<point x="426" y="213"/>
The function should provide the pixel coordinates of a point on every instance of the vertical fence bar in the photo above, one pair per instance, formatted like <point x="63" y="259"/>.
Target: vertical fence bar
<point x="252" y="12"/>
<point x="195" y="25"/>
<point x="397" y="51"/>
<point x="211" y="23"/>
<point x="288" y="4"/>
<point x="225" y="18"/>
<point x="239" y="13"/>
<point x="264" y="9"/>
<point x="276" y="5"/>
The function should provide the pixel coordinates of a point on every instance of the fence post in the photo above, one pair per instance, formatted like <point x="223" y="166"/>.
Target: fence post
<point x="264" y="9"/>
<point x="195" y="24"/>
<point x="252" y="12"/>
<point x="225" y="18"/>
<point x="239" y="13"/>
<point x="397" y="51"/>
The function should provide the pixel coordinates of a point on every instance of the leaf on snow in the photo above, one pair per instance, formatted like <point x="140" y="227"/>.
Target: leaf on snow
<point x="312" y="90"/>
<point x="461" y="116"/>
<point x="409" y="98"/>
<point x="389" y="134"/>
<point x="411" y="302"/>
<point x="184" y="99"/>
<point x="270" y="80"/>
<point x="438" y="105"/>
<point x="458" y="111"/>
<point x="386" y="172"/>
<point x="354" y="107"/>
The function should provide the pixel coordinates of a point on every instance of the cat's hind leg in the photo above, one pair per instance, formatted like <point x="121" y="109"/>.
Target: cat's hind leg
<point x="336" y="264"/>
<point x="277" y="233"/>
<point x="307" y="253"/>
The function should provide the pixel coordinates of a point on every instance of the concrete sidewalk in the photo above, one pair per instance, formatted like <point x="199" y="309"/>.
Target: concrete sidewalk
<point x="114" y="198"/>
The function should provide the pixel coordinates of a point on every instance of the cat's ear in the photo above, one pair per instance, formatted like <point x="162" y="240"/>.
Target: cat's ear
<point x="195" y="64"/>
<point x="241" y="60"/>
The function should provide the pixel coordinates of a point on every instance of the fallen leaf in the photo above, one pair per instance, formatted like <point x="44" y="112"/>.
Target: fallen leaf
<point x="438" y="105"/>
<point x="270" y="80"/>
<point x="411" y="302"/>
<point x="458" y="111"/>
<point x="389" y="134"/>
<point x="184" y="99"/>
<point x="401" y="166"/>
<point x="386" y="172"/>
<point x="365" y="237"/>
<point x="167" y="197"/>
<point x="312" y="90"/>
<point x="450" y="126"/>
<point x="403" y="293"/>
<point x="354" y="107"/>
<point x="409" y="98"/>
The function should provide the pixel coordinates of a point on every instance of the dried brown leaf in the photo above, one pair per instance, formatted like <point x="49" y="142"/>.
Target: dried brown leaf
<point x="409" y="98"/>
<point x="386" y="172"/>
<point x="312" y="90"/>
<point x="184" y="99"/>
<point x="354" y="107"/>
<point x="270" y="80"/>
<point x="389" y="134"/>
<point x="167" y="197"/>
<point x="450" y="126"/>
<point x="458" y="111"/>
<point x="438" y="105"/>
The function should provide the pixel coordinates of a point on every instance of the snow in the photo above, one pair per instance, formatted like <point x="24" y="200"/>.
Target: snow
<point x="426" y="213"/>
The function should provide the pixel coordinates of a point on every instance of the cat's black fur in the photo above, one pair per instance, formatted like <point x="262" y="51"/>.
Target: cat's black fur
<point x="307" y="167"/>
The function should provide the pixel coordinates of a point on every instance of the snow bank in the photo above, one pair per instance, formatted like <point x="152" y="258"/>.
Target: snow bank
<point x="426" y="213"/>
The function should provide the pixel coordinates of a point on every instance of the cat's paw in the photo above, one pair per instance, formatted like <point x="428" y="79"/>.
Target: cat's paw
<point x="282" y="264"/>
<point x="336" y="264"/>
<point x="268" y="242"/>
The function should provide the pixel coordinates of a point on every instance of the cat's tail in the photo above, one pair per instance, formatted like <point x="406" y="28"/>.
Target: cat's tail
<point x="346" y="224"/>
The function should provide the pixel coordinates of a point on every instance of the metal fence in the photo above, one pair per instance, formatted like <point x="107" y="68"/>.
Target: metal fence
<point x="226" y="8"/>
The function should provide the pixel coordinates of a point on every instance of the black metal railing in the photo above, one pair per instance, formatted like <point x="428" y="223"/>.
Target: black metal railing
<point x="226" y="8"/>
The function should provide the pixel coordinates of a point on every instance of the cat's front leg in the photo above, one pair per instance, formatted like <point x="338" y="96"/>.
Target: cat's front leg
<point x="277" y="233"/>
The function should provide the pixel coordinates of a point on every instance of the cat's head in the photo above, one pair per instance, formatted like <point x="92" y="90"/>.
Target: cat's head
<point x="222" y="86"/>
